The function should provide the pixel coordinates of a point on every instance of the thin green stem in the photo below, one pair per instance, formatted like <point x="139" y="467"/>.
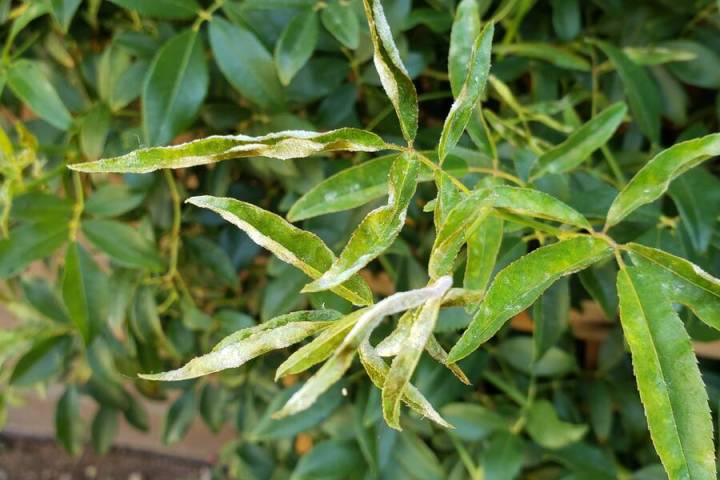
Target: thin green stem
<point x="461" y="186"/>
<point x="614" y="166"/>
<point x="175" y="231"/>
<point x="78" y="207"/>
<point x="497" y="173"/>
<point x="512" y="392"/>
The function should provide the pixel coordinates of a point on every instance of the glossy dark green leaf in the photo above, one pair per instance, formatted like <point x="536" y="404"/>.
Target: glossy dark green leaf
<point x="667" y="374"/>
<point x="45" y="359"/>
<point x="28" y="81"/>
<point x="246" y="344"/>
<point x="393" y="74"/>
<point x="582" y="142"/>
<point x="246" y="64"/>
<point x="296" y="45"/>
<point x="548" y="430"/>
<point x="518" y="285"/>
<point x="566" y="18"/>
<point x="124" y="244"/>
<point x="30" y="242"/>
<point x="640" y="89"/>
<point x="175" y="87"/>
<point x="68" y="424"/>
<point x="170" y="9"/>
<point x="465" y="29"/>
<point x="329" y="460"/>
<point x="339" y="18"/>
<point x="179" y="417"/>
<point x="556" y="55"/>
<point x="283" y="145"/>
<point x="378" y="230"/>
<point x="703" y="70"/>
<point x="104" y="429"/>
<point x="303" y="250"/>
<point x="472" y="89"/>
<point x="654" y="178"/>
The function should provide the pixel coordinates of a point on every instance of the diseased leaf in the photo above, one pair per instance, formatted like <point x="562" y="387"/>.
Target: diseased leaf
<point x="303" y="250"/>
<point x="483" y="245"/>
<point x="364" y="324"/>
<point x="378" y="229"/>
<point x="582" y="143"/>
<point x="246" y="344"/>
<point x="246" y="64"/>
<point x="534" y="203"/>
<point x="282" y="145"/>
<point x="653" y="179"/>
<point x="670" y="384"/>
<point x="471" y="91"/>
<point x="296" y="45"/>
<point x="340" y="20"/>
<point x="556" y="55"/>
<point x="687" y="284"/>
<point x="28" y="82"/>
<point x="404" y="364"/>
<point x="519" y="284"/>
<point x="448" y="195"/>
<point x="377" y="370"/>
<point x="640" y="88"/>
<point x="175" y="87"/>
<point x="465" y="30"/>
<point x="393" y="75"/>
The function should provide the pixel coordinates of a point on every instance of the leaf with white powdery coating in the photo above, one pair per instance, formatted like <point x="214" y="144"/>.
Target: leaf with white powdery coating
<point x="668" y="377"/>
<point x="377" y="370"/>
<point x="378" y="229"/>
<point x="465" y="29"/>
<point x="472" y="89"/>
<point x="283" y="145"/>
<point x="393" y="75"/>
<point x="246" y="344"/>
<point x="582" y="143"/>
<point x="483" y="245"/>
<point x="653" y="179"/>
<point x="363" y="326"/>
<point x="519" y="284"/>
<point x="301" y="249"/>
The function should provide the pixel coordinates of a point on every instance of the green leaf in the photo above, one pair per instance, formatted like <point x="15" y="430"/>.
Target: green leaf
<point x="582" y="142"/>
<point x="104" y="429"/>
<point x="702" y="69"/>
<point x="45" y="359"/>
<point x="31" y="242"/>
<point x="340" y="20"/>
<point x="377" y="370"/>
<point x="378" y="230"/>
<point x="124" y="244"/>
<point x="667" y="374"/>
<point x="548" y="430"/>
<point x="404" y="364"/>
<point x="470" y="93"/>
<point x="94" y="129"/>
<point x="283" y="145"/>
<point x="653" y="179"/>
<point x="534" y="203"/>
<point x="64" y="11"/>
<point x="296" y="45"/>
<point x="73" y="288"/>
<point x="365" y="322"/>
<point x="556" y="55"/>
<point x="465" y="30"/>
<point x="688" y="284"/>
<point x="244" y="345"/>
<point x="520" y="353"/>
<point x="180" y="417"/>
<point x="68" y="424"/>
<point x="175" y="88"/>
<point x="393" y="75"/>
<point x="697" y="197"/>
<point x="113" y="200"/>
<point x="483" y="246"/>
<point x="519" y="284"/>
<point x="167" y="9"/>
<point x="246" y="64"/>
<point x="566" y="18"/>
<point x="473" y="421"/>
<point x="304" y="250"/>
<point x="329" y="460"/>
<point x="550" y="316"/>
<point x="640" y="88"/>
<point x="27" y="80"/>
<point x="503" y="457"/>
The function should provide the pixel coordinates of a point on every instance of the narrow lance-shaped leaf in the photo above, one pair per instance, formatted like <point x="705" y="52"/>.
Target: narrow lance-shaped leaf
<point x="465" y="29"/>
<point x="366" y="322"/>
<point x="668" y="377"/>
<point x="28" y="82"/>
<point x="404" y="364"/>
<point x="483" y="244"/>
<point x="282" y="145"/>
<point x="472" y="89"/>
<point x="296" y="44"/>
<point x="582" y="143"/>
<point x="526" y="201"/>
<point x="519" y="284"/>
<point x="687" y="283"/>
<point x="378" y="229"/>
<point x="553" y="54"/>
<point x="393" y="75"/>
<point x="653" y="179"/>
<point x="246" y="344"/>
<point x="448" y="195"/>
<point x="303" y="250"/>
<point x="377" y="370"/>
<point x="73" y="290"/>
<point x="640" y="88"/>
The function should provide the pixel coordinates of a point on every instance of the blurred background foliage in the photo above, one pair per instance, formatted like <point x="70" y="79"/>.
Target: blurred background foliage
<point x="80" y="80"/>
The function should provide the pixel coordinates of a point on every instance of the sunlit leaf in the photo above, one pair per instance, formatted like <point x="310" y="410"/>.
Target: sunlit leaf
<point x="483" y="245"/>
<point x="465" y="29"/>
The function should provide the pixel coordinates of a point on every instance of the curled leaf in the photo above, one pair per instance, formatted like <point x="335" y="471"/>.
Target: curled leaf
<point x="282" y="145"/>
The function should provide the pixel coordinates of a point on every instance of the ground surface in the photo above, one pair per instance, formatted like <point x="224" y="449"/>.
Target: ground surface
<point x="28" y="458"/>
